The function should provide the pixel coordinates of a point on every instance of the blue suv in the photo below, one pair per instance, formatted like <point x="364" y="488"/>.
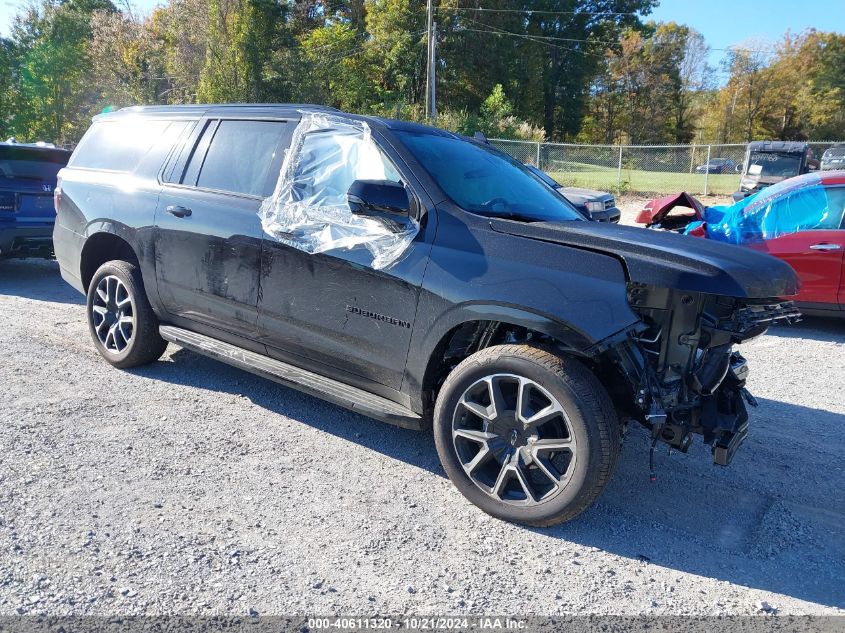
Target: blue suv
<point x="27" y="183"/>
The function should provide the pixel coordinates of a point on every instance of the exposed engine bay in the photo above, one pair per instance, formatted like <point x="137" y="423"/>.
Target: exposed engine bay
<point x="686" y="375"/>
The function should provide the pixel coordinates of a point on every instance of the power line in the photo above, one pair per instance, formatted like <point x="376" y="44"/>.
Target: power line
<point x="533" y="38"/>
<point x="531" y="11"/>
<point x="608" y="42"/>
<point x="360" y="49"/>
<point x="546" y="40"/>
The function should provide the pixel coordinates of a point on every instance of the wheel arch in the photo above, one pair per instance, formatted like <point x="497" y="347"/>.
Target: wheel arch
<point x="100" y="247"/>
<point x="479" y="326"/>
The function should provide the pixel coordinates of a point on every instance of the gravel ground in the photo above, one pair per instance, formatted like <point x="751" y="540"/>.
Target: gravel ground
<point x="190" y="487"/>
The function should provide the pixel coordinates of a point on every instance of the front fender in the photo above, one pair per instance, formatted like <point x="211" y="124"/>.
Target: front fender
<point x="568" y="334"/>
<point x="577" y="297"/>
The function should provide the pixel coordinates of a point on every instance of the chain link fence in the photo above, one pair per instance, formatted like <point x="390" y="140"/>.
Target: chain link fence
<point x="651" y="169"/>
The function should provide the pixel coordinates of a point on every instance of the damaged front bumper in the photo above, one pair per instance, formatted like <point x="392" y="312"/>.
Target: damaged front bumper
<point x="684" y="375"/>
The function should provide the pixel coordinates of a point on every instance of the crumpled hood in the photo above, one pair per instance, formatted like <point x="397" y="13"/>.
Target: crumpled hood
<point x="669" y="260"/>
<point x="655" y="211"/>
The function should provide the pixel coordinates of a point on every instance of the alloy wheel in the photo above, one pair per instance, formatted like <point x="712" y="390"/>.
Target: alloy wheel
<point x="513" y="439"/>
<point x="113" y="314"/>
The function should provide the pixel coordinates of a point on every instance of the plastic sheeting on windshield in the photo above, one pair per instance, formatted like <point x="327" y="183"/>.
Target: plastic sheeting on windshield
<point x="781" y="209"/>
<point x="308" y="208"/>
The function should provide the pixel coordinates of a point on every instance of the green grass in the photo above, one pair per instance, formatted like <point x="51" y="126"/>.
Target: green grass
<point x="641" y="181"/>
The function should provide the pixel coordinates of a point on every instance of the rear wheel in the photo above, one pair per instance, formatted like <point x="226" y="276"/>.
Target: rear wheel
<point x="120" y="318"/>
<point x="526" y="435"/>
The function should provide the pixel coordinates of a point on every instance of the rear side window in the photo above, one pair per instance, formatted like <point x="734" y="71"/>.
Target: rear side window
<point x="238" y="157"/>
<point x="120" y="144"/>
<point x="836" y="207"/>
<point x="810" y="209"/>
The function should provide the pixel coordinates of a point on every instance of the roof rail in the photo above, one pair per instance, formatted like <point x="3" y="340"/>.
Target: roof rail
<point x="186" y="106"/>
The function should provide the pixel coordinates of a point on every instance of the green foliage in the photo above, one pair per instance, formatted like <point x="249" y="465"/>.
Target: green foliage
<point x="339" y="77"/>
<point x="562" y="70"/>
<point x="496" y="106"/>
<point x="794" y="92"/>
<point x="395" y="51"/>
<point x="53" y="96"/>
<point x="239" y="41"/>
<point x="7" y="84"/>
<point x="496" y="120"/>
<point x="643" y="92"/>
<point x="225" y="75"/>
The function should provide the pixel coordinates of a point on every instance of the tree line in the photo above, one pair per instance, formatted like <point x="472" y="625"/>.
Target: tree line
<point x="592" y="71"/>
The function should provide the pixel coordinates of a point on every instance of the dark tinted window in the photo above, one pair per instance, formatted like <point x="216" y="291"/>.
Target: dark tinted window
<point x="239" y="157"/>
<point x="192" y="171"/>
<point x="774" y="164"/>
<point x="120" y="144"/>
<point x="28" y="163"/>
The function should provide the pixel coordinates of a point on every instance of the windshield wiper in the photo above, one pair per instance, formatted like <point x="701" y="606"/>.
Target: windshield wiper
<point x="513" y="215"/>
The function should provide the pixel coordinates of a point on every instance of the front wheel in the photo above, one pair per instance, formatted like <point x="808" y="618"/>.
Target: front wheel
<point x="526" y="435"/>
<point x="120" y="318"/>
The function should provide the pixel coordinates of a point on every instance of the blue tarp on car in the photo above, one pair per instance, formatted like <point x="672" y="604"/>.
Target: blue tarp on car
<point x="793" y="205"/>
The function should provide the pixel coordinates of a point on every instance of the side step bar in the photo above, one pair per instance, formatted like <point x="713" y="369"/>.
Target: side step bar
<point x="352" y="398"/>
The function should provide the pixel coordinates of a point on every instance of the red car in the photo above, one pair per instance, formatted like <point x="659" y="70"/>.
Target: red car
<point x="800" y="220"/>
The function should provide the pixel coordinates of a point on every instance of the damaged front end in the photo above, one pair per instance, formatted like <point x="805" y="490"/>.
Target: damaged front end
<point x="684" y="374"/>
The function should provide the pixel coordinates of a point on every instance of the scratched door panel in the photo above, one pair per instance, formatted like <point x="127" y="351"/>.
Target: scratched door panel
<point x="335" y="311"/>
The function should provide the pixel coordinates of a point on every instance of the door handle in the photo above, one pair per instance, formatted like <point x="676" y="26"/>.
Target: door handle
<point x="179" y="212"/>
<point x="826" y="247"/>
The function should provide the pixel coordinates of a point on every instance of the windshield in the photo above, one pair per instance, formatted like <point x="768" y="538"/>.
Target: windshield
<point x="551" y="182"/>
<point x="31" y="164"/>
<point x="774" y="164"/>
<point x="837" y="153"/>
<point x="482" y="180"/>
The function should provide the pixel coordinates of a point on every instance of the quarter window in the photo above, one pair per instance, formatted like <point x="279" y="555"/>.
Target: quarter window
<point x="120" y="144"/>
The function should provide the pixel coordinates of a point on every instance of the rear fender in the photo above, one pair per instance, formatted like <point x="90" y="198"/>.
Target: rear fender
<point x="141" y="242"/>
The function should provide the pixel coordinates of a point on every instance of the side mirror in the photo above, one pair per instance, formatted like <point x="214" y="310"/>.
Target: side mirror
<point x="380" y="199"/>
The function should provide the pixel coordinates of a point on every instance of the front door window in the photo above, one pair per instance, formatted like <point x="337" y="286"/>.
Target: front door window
<point x="309" y="210"/>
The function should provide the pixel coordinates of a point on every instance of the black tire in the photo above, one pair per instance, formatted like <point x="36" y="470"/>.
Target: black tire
<point x="145" y="345"/>
<point x="591" y="418"/>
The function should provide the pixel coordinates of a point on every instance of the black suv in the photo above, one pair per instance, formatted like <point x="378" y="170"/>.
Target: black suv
<point x="417" y="277"/>
<point x="27" y="180"/>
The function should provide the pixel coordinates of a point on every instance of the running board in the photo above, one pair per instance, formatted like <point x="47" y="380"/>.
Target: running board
<point x="352" y="398"/>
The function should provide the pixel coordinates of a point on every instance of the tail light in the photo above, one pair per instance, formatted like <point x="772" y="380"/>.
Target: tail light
<point x="57" y="196"/>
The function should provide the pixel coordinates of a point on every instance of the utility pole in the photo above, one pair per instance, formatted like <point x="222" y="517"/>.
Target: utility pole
<point x="434" y="73"/>
<point x="429" y="64"/>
